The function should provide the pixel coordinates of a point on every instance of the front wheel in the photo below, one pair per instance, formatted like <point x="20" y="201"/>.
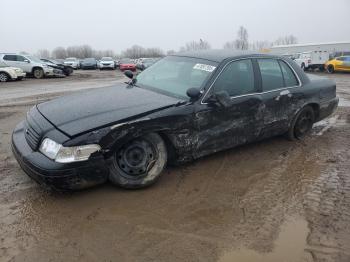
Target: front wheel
<point x="330" y="69"/>
<point x="38" y="73"/>
<point x="4" y="77"/>
<point x="302" y="123"/>
<point x="139" y="162"/>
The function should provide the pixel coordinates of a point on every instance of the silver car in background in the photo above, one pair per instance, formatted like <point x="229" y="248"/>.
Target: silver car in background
<point x="72" y="62"/>
<point x="106" y="63"/>
<point x="29" y="64"/>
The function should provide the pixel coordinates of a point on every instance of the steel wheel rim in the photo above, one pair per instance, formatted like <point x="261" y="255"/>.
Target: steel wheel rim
<point x="303" y="124"/>
<point x="136" y="158"/>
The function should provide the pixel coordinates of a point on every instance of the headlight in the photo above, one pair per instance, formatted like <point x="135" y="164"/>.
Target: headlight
<point x="62" y="154"/>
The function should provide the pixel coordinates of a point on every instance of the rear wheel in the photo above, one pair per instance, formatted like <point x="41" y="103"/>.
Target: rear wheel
<point x="4" y="77"/>
<point x="302" y="123"/>
<point x="138" y="163"/>
<point x="38" y="73"/>
<point x="330" y="69"/>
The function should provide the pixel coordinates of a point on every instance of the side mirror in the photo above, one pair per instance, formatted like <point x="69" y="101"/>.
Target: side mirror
<point x="26" y="60"/>
<point x="129" y="74"/>
<point x="193" y="93"/>
<point x="221" y="99"/>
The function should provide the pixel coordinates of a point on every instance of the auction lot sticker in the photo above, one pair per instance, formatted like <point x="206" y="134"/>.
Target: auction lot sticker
<point x="203" y="67"/>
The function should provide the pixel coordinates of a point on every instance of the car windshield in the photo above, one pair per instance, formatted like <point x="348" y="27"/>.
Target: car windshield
<point x="106" y="59"/>
<point x="89" y="60"/>
<point x="175" y="75"/>
<point x="34" y="59"/>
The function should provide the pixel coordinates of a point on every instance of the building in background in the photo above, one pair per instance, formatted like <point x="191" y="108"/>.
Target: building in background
<point x="334" y="48"/>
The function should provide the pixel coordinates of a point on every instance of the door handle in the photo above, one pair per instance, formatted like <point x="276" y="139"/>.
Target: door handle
<point x="284" y="93"/>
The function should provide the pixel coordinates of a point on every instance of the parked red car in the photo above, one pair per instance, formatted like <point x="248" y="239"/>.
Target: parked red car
<point x="127" y="64"/>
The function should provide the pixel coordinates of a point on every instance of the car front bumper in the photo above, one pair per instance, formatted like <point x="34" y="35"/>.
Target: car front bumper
<point x="101" y="66"/>
<point x="46" y="172"/>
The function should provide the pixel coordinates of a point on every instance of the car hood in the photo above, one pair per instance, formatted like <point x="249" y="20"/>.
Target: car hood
<point x="89" y="110"/>
<point x="127" y="64"/>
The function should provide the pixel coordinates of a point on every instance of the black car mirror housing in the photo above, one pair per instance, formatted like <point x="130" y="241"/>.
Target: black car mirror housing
<point x="193" y="93"/>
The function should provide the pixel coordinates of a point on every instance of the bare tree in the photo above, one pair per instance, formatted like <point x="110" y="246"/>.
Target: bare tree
<point x="286" y="40"/>
<point x="170" y="52"/>
<point x="59" y="52"/>
<point x="230" y="45"/>
<point x="137" y="51"/>
<point x="43" y="53"/>
<point x="260" y="45"/>
<point x="194" y="45"/>
<point x="241" y="43"/>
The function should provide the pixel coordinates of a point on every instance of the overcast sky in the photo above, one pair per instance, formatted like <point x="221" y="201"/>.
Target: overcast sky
<point x="29" y="25"/>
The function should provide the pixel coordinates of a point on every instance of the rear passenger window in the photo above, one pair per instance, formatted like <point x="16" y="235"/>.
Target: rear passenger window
<point x="271" y="74"/>
<point x="288" y="75"/>
<point x="10" y="58"/>
<point x="236" y="79"/>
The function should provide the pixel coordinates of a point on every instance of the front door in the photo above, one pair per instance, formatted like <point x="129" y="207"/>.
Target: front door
<point x="239" y="121"/>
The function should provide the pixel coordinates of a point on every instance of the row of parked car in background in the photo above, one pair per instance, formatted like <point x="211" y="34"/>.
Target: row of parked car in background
<point x="17" y="66"/>
<point x="110" y="63"/>
<point x="321" y="60"/>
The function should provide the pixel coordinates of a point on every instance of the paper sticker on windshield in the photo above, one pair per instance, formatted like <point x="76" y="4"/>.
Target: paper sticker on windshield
<point x="203" y="67"/>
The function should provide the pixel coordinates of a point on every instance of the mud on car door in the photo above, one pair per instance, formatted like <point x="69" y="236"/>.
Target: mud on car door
<point x="231" y="113"/>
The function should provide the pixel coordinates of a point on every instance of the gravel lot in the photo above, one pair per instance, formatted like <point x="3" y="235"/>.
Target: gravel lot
<point x="270" y="201"/>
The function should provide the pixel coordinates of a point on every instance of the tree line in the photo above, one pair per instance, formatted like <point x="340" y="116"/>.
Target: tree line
<point x="241" y="42"/>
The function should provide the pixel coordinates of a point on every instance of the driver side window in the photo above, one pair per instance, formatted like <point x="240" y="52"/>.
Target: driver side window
<point x="20" y="58"/>
<point x="236" y="79"/>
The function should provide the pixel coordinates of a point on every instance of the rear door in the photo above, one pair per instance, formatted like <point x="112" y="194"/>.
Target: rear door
<point x="239" y="122"/>
<point x="10" y="60"/>
<point x="280" y="91"/>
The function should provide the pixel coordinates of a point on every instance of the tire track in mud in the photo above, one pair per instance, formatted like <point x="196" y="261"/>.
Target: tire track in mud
<point x="327" y="202"/>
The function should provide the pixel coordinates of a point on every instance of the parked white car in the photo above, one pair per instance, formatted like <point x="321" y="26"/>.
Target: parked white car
<point x="11" y="73"/>
<point x="73" y="62"/>
<point x="106" y="63"/>
<point x="312" y="60"/>
<point x="29" y="64"/>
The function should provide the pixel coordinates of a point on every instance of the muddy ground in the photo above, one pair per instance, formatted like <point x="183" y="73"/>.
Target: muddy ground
<point x="270" y="201"/>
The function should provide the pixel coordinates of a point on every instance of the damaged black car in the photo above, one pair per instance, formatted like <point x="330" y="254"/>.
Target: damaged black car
<point x="182" y="108"/>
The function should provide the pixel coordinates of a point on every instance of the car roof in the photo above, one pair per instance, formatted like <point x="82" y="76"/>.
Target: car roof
<point x="220" y="55"/>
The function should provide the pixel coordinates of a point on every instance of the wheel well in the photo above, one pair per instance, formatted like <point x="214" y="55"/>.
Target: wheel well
<point x="3" y="72"/>
<point x="36" y="67"/>
<point x="169" y="146"/>
<point x="316" y="108"/>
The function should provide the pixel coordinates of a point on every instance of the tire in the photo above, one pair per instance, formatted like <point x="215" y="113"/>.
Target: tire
<point x="301" y="124"/>
<point x="38" y="73"/>
<point x="4" y="77"/>
<point x="330" y="69"/>
<point x="138" y="163"/>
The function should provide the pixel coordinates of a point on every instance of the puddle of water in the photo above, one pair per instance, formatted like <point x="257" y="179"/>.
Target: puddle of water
<point x="289" y="247"/>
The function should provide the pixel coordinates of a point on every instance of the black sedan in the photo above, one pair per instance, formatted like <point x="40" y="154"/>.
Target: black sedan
<point x="182" y="108"/>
